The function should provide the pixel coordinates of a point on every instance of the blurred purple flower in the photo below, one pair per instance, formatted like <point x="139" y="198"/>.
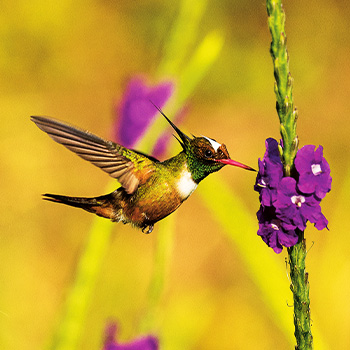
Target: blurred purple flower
<point x="314" y="171"/>
<point x="136" y="111"/>
<point x="144" y="343"/>
<point x="295" y="208"/>
<point x="274" y="232"/>
<point x="161" y="144"/>
<point x="270" y="173"/>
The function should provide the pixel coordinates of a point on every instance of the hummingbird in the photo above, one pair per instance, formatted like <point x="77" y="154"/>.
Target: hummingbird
<point x="150" y="189"/>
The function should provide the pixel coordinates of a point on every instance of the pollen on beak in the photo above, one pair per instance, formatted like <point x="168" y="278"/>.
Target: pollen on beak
<point x="234" y="163"/>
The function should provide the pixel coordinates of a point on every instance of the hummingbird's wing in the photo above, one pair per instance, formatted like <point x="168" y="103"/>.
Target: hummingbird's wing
<point x="128" y="167"/>
<point x="154" y="159"/>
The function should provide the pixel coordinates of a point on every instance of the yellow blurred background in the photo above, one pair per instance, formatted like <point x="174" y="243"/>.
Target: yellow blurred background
<point x="71" y="60"/>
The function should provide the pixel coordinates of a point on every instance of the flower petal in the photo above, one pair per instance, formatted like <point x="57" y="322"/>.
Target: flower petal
<point x="314" y="171"/>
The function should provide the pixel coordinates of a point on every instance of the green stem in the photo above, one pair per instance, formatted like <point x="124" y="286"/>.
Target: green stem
<point x="300" y="289"/>
<point x="283" y="83"/>
<point x="288" y="117"/>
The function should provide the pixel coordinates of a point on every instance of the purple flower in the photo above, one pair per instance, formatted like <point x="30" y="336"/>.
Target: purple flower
<point x="295" y="208"/>
<point x="270" y="173"/>
<point x="144" y="343"/>
<point x="313" y="171"/>
<point x="286" y="203"/>
<point x="136" y="111"/>
<point x="274" y="232"/>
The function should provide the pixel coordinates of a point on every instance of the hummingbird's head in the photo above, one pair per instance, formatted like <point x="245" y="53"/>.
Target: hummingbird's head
<point x="204" y="155"/>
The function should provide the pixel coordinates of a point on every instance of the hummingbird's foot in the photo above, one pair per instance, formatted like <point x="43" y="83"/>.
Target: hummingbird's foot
<point x="150" y="229"/>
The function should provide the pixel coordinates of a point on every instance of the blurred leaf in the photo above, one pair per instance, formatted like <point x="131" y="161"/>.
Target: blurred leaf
<point x="70" y="327"/>
<point x="182" y="36"/>
<point x="185" y="320"/>
<point x="189" y="78"/>
<point x="199" y="64"/>
<point x="162" y="261"/>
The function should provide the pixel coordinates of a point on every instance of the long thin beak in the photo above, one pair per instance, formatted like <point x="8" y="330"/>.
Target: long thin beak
<point x="234" y="163"/>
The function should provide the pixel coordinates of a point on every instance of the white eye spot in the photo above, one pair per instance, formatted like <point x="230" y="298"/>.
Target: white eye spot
<point x="214" y="144"/>
<point x="298" y="200"/>
<point x="316" y="169"/>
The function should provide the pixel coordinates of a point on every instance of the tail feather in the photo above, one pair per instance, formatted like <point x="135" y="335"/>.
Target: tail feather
<point x="103" y="206"/>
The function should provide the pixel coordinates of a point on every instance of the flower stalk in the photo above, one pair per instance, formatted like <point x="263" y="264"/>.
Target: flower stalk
<point x="288" y="117"/>
<point x="283" y="83"/>
<point x="300" y="289"/>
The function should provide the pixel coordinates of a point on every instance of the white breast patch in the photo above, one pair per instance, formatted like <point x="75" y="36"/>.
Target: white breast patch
<point x="185" y="184"/>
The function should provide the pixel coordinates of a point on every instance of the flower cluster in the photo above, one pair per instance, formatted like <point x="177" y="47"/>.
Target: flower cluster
<point x="288" y="203"/>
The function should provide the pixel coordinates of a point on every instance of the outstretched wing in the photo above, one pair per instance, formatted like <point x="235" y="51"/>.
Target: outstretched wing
<point x="128" y="167"/>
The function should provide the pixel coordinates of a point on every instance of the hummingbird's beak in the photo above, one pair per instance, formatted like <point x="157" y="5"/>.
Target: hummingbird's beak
<point x="234" y="163"/>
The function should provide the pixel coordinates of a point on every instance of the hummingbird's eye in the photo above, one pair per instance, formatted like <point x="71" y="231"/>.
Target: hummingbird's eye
<point x="208" y="153"/>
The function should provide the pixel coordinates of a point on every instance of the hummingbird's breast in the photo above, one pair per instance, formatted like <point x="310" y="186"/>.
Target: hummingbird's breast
<point x="185" y="184"/>
<point x="160" y="196"/>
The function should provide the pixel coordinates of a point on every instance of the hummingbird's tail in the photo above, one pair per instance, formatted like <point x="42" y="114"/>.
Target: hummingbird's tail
<point x="106" y="206"/>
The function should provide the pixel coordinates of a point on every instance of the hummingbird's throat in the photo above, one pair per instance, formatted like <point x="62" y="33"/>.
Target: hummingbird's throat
<point x="185" y="184"/>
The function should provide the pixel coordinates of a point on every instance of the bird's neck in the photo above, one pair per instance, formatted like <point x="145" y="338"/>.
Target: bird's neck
<point x="189" y="162"/>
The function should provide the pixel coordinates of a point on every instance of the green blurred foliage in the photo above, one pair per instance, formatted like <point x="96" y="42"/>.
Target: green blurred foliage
<point x="70" y="60"/>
